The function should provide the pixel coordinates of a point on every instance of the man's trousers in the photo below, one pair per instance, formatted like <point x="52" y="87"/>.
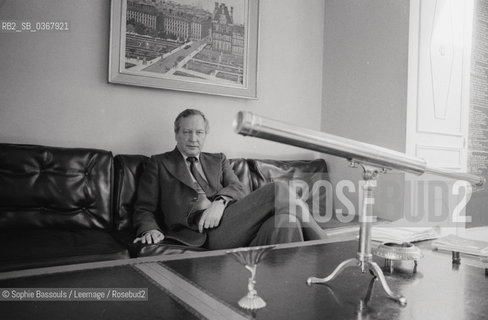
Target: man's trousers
<point x="261" y="218"/>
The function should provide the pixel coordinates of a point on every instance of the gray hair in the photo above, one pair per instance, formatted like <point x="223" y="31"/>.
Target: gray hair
<point x="187" y="113"/>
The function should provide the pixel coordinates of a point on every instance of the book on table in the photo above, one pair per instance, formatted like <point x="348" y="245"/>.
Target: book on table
<point x="462" y="245"/>
<point x="398" y="231"/>
<point x="401" y="231"/>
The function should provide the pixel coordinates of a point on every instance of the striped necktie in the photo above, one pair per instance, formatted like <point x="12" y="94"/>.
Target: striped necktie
<point x="196" y="174"/>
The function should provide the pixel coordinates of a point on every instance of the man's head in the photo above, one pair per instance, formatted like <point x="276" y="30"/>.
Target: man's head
<point x="191" y="128"/>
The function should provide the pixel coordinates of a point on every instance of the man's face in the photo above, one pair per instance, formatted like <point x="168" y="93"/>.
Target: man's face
<point x="190" y="137"/>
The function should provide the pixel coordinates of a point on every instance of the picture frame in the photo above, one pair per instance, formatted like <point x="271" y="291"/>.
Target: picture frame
<point x="200" y="46"/>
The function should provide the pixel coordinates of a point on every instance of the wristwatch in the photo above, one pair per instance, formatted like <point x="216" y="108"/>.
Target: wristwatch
<point x="222" y="199"/>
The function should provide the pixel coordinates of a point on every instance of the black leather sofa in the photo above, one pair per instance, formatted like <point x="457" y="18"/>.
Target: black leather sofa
<point x="73" y="205"/>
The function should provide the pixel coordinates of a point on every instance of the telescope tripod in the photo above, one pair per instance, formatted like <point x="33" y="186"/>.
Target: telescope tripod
<point x="364" y="258"/>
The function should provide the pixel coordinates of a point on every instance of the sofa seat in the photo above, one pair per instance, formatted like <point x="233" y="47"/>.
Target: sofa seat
<point x="165" y="247"/>
<point x="51" y="247"/>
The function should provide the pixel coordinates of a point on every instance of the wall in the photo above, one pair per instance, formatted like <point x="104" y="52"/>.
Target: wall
<point x="54" y="89"/>
<point x="365" y="87"/>
<point x="478" y="126"/>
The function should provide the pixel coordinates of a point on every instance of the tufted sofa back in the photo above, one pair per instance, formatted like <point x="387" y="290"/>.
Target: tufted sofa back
<point x="251" y="172"/>
<point x="49" y="187"/>
<point x="78" y="188"/>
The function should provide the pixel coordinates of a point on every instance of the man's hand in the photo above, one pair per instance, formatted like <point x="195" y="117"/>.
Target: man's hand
<point x="211" y="216"/>
<point x="150" y="237"/>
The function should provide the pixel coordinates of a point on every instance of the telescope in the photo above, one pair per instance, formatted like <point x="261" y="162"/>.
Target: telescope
<point x="249" y="124"/>
<point x="373" y="160"/>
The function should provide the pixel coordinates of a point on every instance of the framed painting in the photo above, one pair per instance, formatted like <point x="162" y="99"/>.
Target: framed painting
<point x="199" y="46"/>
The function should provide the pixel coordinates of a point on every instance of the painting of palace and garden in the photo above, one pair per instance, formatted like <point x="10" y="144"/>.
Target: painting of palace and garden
<point x="195" y="39"/>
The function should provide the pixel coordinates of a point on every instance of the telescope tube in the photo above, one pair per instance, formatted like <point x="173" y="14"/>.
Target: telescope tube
<point x="249" y="124"/>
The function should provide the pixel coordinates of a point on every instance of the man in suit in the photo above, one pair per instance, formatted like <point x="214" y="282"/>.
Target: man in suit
<point x="195" y="198"/>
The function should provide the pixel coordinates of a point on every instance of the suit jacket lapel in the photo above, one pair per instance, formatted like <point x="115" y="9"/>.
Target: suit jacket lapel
<point x="175" y="163"/>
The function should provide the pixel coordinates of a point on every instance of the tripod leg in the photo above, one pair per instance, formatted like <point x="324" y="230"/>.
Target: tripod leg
<point x="379" y="274"/>
<point x="353" y="262"/>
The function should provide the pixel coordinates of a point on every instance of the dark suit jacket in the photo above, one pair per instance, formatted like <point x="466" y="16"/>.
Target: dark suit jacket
<point x="166" y="196"/>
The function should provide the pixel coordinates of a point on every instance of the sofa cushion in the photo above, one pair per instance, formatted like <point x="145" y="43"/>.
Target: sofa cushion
<point x="35" y="248"/>
<point x="127" y="171"/>
<point x="49" y="187"/>
<point x="266" y="171"/>
<point x="242" y="171"/>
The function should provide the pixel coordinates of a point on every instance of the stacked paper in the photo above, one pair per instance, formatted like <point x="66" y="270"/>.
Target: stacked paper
<point x="401" y="231"/>
<point x="458" y="244"/>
